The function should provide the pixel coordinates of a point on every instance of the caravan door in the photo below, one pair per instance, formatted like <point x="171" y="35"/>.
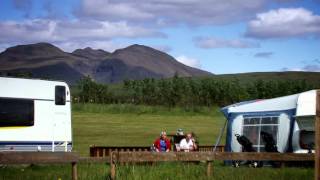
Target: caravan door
<point x="60" y="130"/>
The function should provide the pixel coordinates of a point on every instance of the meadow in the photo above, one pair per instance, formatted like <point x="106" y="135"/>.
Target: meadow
<point x="130" y="125"/>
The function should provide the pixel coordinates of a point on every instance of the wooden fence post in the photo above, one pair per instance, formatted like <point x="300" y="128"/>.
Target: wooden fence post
<point x="209" y="168"/>
<point x="74" y="171"/>
<point x="317" y="138"/>
<point x="112" y="165"/>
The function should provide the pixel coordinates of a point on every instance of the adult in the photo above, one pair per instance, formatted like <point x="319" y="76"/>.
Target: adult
<point x="188" y="144"/>
<point x="162" y="144"/>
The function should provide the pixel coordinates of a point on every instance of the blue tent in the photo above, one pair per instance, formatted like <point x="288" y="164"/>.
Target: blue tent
<point x="289" y="119"/>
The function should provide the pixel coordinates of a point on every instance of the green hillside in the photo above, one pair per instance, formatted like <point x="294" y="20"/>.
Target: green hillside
<point x="313" y="77"/>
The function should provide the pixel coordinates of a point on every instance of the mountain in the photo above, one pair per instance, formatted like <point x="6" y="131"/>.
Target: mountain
<point x="155" y="61"/>
<point x="30" y="55"/>
<point x="90" y="53"/>
<point x="44" y="60"/>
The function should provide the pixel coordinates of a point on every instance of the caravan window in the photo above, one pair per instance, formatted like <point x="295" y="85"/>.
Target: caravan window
<point x="60" y="95"/>
<point x="252" y="127"/>
<point x="16" y="112"/>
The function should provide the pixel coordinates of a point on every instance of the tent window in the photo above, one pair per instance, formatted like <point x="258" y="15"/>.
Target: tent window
<point x="251" y="121"/>
<point x="252" y="127"/>
<point x="60" y="95"/>
<point x="16" y="112"/>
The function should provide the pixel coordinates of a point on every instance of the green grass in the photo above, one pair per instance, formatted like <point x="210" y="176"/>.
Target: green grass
<point x="174" y="171"/>
<point x="54" y="172"/>
<point x="198" y="171"/>
<point x="108" y="125"/>
<point x="143" y="109"/>
<point x="113" y="125"/>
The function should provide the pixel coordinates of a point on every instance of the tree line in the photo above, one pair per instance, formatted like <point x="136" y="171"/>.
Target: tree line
<point x="187" y="92"/>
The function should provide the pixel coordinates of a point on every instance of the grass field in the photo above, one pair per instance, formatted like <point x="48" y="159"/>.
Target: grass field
<point x="140" y="125"/>
<point x="170" y="171"/>
<point x="134" y="127"/>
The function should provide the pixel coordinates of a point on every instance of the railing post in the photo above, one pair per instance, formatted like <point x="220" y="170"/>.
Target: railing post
<point x="74" y="171"/>
<point x="209" y="168"/>
<point x="91" y="150"/>
<point x="317" y="138"/>
<point x="112" y="165"/>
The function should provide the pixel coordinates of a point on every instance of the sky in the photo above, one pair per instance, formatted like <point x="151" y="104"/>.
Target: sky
<point x="219" y="36"/>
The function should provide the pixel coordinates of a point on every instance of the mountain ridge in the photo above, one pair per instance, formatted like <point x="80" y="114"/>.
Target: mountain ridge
<point x="133" y="62"/>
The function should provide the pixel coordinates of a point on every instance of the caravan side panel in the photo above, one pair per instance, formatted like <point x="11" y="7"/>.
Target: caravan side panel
<point x="49" y="132"/>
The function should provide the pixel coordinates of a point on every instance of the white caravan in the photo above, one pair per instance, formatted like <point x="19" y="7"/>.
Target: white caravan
<point x="35" y="115"/>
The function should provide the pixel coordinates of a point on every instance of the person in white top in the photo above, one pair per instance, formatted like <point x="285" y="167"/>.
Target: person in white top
<point x="187" y="144"/>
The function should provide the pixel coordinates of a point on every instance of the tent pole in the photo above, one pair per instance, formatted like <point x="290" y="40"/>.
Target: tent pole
<point x="220" y="136"/>
<point x="317" y="138"/>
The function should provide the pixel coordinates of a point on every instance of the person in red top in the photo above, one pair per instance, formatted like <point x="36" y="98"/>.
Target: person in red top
<point x="162" y="144"/>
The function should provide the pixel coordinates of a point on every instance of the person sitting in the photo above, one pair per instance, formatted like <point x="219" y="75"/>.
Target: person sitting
<point x="187" y="144"/>
<point x="195" y="140"/>
<point x="162" y="144"/>
<point x="177" y="138"/>
<point x="179" y="132"/>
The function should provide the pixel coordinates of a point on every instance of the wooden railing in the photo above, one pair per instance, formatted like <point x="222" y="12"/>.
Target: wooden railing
<point x="208" y="148"/>
<point x="105" y="151"/>
<point x="41" y="158"/>
<point x="209" y="157"/>
<point x="122" y="157"/>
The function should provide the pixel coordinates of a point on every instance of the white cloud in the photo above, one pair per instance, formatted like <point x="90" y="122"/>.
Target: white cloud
<point x="284" y="22"/>
<point x="313" y="66"/>
<point x="163" y="48"/>
<point x="103" y="30"/>
<point x="291" y="69"/>
<point x="189" y="61"/>
<point x="263" y="54"/>
<point x="70" y="32"/>
<point x="27" y="31"/>
<point x="170" y="11"/>
<point x="213" y="42"/>
<point x="109" y="46"/>
<point x="120" y="10"/>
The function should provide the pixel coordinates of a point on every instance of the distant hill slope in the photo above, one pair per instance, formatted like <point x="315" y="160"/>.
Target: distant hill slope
<point x="312" y="77"/>
<point x="155" y="61"/>
<point x="43" y="60"/>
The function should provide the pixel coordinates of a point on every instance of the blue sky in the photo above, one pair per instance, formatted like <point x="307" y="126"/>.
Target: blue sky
<point x="230" y="36"/>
